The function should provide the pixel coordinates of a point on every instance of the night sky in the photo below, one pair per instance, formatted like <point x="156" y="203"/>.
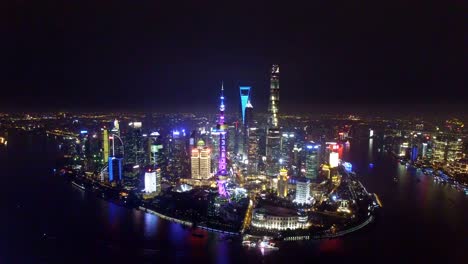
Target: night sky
<point x="135" y="55"/>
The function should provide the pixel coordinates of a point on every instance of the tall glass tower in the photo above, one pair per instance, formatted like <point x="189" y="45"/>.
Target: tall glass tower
<point x="273" y="137"/>
<point x="274" y="97"/>
<point x="244" y="96"/>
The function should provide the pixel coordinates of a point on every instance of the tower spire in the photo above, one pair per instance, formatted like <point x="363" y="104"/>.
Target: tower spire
<point x="222" y="135"/>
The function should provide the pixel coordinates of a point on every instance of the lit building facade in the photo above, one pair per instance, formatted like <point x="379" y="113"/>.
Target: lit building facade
<point x="133" y="140"/>
<point x="115" y="169"/>
<point x="105" y="145"/>
<point x="252" y="156"/>
<point x="439" y="149"/>
<point x="334" y="159"/>
<point x="155" y="147"/>
<point x="274" y="97"/>
<point x="177" y="154"/>
<point x="454" y="150"/>
<point x="312" y="161"/>
<point x="282" y="190"/>
<point x="273" y="151"/>
<point x="273" y="135"/>
<point x="244" y="99"/>
<point x="150" y="181"/>
<point x="302" y="192"/>
<point x="221" y="127"/>
<point x="201" y="162"/>
<point x="278" y="218"/>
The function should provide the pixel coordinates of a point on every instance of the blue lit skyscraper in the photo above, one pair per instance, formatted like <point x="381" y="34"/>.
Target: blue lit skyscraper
<point x="115" y="169"/>
<point x="414" y="153"/>
<point x="244" y="96"/>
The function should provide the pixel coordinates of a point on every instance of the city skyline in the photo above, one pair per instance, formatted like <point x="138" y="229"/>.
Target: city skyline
<point x="199" y="132"/>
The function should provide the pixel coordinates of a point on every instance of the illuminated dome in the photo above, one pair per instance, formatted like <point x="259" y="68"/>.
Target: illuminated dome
<point x="200" y="143"/>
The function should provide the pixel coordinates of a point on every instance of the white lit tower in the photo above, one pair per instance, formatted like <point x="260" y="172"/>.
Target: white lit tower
<point x="273" y="137"/>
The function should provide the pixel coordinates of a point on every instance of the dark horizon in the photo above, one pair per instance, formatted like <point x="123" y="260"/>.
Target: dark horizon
<point x="149" y="56"/>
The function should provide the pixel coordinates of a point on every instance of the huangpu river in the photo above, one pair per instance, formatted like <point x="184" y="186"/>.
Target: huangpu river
<point x="419" y="218"/>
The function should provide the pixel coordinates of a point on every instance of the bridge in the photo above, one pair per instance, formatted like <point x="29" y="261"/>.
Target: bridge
<point x="61" y="133"/>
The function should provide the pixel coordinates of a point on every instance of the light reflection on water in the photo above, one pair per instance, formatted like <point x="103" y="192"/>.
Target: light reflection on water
<point x="433" y="210"/>
<point x="150" y="225"/>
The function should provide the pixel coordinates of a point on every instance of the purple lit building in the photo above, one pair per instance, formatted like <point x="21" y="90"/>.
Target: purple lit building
<point x="221" y="127"/>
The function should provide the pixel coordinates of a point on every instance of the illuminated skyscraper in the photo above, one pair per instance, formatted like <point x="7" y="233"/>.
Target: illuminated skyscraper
<point x="178" y="164"/>
<point x="273" y="152"/>
<point x="221" y="127"/>
<point x="273" y="137"/>
<point x="153" y="181"/>
<point x="454" y="149"/>
<point x="244" y="97"/>
<point x="105" y="144"/>
<point x="274" y="97"/>
<point x="283" y="183"/>
<point x="334" y="159"/>
<point x="302" y="191"/>
<point x="201" y="162"/>
<point x="116" y="129"/>
<point x="251" y="140"/>
<point x="414" y="153"/>
<point x="150" y="181"/>
<point x="154" y="149"/>
<point x="287" y="146"/>
<point x="115" y="169"/>
<point x="439" y="150"/>
<point x="134" y="147"/>
<point x="312" y="161"/>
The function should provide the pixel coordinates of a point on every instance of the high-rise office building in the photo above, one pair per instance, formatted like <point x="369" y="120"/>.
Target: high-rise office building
<point x="439" y="147"/>
<point x="201" y="161"/>
<point x="150" y="181"/>
<point x="252" y="155"/>
<point x="116" y="129"/>
<point x="312" y="160"/>
<point x="105" y="144"/>
<point x="414" y="153"/>
<point x="334" y="159"/>
<point x="273" y="136"/>
<point x="134" y="147"/>
<point x="154" y="151"/>
<point x="274" y="97"/>
<point x="177" y="154"/>
<point x="244" y="98"/>
<point x="273" y="153"/>
<point x="286" y="147"/>
<point x="454" y="149"/>
<point x="424" y="150"/>
<point x="283" y="183"/>
<point x="153" y="180"/>
<point x="302" y="191"/>
<point x="115" y="169"/>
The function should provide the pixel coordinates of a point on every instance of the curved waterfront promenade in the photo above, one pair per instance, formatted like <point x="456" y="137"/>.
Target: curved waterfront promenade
<point x="165" y="216"/>
<point x="338" y="234"/>
<point x="347" y="231"/>
<point x="183" y="222"/>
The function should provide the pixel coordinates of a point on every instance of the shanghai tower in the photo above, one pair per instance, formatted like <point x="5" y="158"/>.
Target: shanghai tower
<point x="274" y="97"/>
<point x="273" y="133"/>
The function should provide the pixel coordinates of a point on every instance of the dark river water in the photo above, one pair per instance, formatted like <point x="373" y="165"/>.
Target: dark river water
<point x="419" y="219"/>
